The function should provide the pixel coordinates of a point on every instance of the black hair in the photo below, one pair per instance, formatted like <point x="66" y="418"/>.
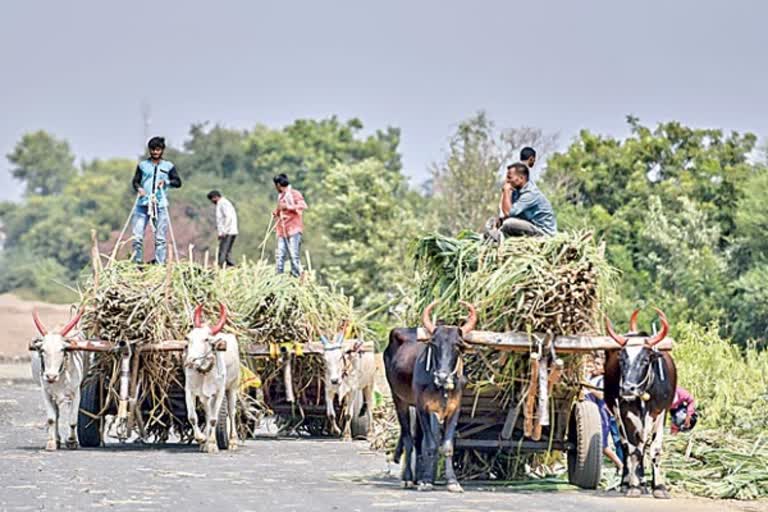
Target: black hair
<point x="282" y="180"/>
<point x="156" y="142"/>
<point x="213" y="193"/>
<point x="521" y="170"/>
<point x="526" y="153"/>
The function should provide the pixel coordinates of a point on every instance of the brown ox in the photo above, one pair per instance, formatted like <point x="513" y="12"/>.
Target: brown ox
<point x="428" y="376"/>
<point x="640" y="384"/>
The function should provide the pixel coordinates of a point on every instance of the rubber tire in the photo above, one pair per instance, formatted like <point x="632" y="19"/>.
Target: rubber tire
<point x="360" y="426"/>
<point x="222" y="432"/>
<point x="585" y="460"/>
<point x="88" y="429"/>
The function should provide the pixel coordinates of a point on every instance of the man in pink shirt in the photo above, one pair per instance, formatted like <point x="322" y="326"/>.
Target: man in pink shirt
<point x="290" y="226"/>
<point x="682" y="411"/>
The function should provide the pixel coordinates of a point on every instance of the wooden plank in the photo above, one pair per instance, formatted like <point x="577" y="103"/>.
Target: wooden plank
<point x="521" y="342"/>
<point x="524" y="445"/>
<point x="262" y="349"/>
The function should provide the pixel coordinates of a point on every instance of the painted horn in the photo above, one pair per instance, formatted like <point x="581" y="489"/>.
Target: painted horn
<point x="426" y="318"/>
<point x="40" y="327"/>
<point x="621" y="340"/>
<point x="664" y="329"/>
<point x="72" y="323"/>
<point x="222" y="320"/>
<point x="633" y="321"/>
<point x="197" y="317"/>
<point x="471" y="322"/>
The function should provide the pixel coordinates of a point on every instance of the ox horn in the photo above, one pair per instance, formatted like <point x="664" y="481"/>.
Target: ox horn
<point x="222" y="320"/>
<point x="633" y="321"/>
<point x="72" y="323"/>
<point x="40" y="327"/>
<point x="471" y="322"/>
<point x="664" y="329"/>
<point x="197" y="317"/>
<point x="426" y="318"/>
<point x="621" y="340"/>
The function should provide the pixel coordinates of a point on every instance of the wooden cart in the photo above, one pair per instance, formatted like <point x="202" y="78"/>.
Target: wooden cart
<point x="297" y="401"/>
<point x="540" y="416"/>
<point x="128" y="412"/>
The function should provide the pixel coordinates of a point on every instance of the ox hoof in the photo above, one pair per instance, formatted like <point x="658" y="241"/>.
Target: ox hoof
<point x="72" y="444"/>
<point x="661" y="493"/>
<point x="634" y="492"/>
<point x="200" y="440"/>
<point x="212" y="448"/>
<point x="232" y="444"/>
<point x="425" y="486"/>
<point x="52" y="446"/>
<point x="455" y="487"/>
<point x="407" y="484"/>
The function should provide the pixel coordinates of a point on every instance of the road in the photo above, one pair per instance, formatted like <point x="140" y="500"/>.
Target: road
<point x="265" y="474"/>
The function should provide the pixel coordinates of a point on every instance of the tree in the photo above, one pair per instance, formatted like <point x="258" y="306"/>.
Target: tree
<point x="44" y="163"/>
<point x="467" y="181"/>
<point x="366" y="230"/>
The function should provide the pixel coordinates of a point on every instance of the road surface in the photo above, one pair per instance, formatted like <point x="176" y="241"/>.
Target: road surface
<point x="265" y="474"/>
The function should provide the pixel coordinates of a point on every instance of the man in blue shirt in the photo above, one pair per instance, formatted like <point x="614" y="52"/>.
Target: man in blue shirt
<point x="524" y="209"/>
<point x="151" y="180"/>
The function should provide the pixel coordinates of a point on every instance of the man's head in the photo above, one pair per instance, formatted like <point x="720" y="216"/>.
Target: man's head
<point x="156" y="147"/>
<point x="528" y="156"/>
<point x="518" y="174"/>
<point x="281" y="182"/>
<point x="214" y="196"/>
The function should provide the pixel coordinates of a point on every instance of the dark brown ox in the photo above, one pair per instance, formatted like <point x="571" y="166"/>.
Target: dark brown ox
<point x="428" y="376"/>
<point x="640" y="384"/>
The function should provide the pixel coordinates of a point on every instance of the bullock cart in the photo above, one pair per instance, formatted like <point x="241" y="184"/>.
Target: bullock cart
<point x="293" y="388"/>
<point x="117" y="387"/>
<point x="526" y="395"/>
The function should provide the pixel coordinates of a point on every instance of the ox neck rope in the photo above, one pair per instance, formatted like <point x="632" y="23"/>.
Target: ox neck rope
<point x="205" y="357"/>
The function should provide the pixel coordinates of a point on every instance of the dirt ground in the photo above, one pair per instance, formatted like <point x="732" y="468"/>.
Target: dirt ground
<point x="17" y="327"/>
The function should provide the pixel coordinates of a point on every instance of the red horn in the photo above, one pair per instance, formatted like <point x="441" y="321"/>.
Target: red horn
<point x="222" y="320"/>
<point x="621" y="340"/>
<point x="426" y="318"/>
<point x="633" y="321"/>
<point x="471" y="322"/>
<point x="664" y="329"/>
<point x="72" y="323"/>
<point x="197" y="317"/>
<point x="40" y="327"/>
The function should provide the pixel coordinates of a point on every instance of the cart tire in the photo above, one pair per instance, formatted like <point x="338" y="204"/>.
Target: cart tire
<point x="222" y="427"/>
<point x="89" y="429"/>
<point x="586" y="457"/>
<point x="360" y="426"/>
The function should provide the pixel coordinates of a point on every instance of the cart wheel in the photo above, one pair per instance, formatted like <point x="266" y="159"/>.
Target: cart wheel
<point x="222" y="427"/>
<point x="586" y="457"/>
<point x="88" y="427"/>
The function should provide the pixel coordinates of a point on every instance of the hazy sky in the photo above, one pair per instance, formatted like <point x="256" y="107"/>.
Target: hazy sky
<point x="82" y="69"/>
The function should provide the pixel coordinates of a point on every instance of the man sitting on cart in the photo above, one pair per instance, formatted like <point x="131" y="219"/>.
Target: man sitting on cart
<point x="524" y="209"/>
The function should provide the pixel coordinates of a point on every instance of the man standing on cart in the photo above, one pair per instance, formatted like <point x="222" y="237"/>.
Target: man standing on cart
<point x="151" y="180"/>
<point x="290" y="225"/>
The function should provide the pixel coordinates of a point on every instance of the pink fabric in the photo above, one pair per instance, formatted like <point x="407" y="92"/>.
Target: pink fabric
<point x="290" y="221"/>
<point x="682" y="396"/>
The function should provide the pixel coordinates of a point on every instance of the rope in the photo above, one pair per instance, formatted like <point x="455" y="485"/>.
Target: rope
<point x="173" y="237"/>
<point x="122" y="233"/>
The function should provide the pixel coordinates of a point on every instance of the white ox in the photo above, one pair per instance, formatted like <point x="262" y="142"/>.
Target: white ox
<point x="349" y="374"/>
<point x="210" y="375"/>
<point x="60" y="373"/>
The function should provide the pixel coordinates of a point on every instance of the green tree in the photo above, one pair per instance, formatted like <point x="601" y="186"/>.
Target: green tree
<point x="366" y="230"/>
<point x="44" y="163"/>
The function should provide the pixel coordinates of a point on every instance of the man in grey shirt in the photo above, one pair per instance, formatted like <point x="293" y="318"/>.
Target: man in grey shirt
<point x="524" y="209"/>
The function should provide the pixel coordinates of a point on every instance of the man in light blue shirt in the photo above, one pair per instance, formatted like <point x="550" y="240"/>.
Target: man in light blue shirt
<point x="151" y="180"/>
<point x="524" y="209"/>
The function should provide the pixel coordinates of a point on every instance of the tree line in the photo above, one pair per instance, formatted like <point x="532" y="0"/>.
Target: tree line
<point x="680" y="209"/>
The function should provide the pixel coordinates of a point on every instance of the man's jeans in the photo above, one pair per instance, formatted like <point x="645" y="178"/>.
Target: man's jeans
<point x="140" y="221"/>
<point x="225" y="251"/>
<point x="289" y="247"/>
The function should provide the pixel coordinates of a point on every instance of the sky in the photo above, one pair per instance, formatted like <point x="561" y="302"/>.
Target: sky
<point x="83" y="69"/>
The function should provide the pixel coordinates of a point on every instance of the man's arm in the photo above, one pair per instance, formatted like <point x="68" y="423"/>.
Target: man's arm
<point x="136" y="182"/>
<point x="174" y="181"/>
<point x="506" y="199"/>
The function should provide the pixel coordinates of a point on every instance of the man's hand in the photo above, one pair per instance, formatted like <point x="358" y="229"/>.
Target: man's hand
<point x="161" y="184"/>
<point x="507" y="187"/>
<point x="221" y="237"/>
<point x="687" y="423"/>
<point x="142" y="192"/>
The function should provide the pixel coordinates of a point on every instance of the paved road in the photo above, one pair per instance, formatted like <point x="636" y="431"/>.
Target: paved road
<point x="274" y="475"/>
